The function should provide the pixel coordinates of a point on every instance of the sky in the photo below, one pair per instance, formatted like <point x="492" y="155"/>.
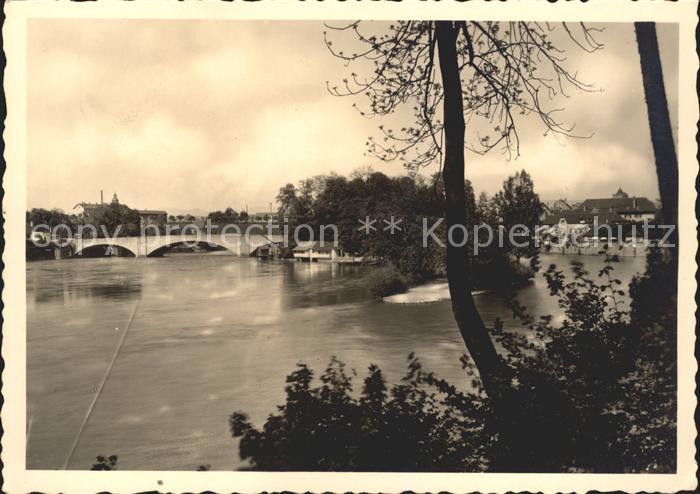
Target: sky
<point x="198" y="115"/>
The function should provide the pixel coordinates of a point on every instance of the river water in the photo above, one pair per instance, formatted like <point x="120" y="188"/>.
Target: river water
<point x="209" y="334"/>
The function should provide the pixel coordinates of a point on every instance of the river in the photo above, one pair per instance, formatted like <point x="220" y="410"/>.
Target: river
<point x="209" y="334"/>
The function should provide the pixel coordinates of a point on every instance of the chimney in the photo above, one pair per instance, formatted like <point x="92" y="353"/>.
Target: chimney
<point x="102" y="197"/>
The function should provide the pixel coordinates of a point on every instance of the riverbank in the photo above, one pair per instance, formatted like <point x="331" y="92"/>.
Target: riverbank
<point x="391" y="286"/>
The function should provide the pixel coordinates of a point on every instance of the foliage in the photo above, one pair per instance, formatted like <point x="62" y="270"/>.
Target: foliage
<point x="518" y="204"/>
<point x="296" y="206"/>
<point x="118" y="219"/>
<point x="229" y="215"/>
<point x="588" y="394"/>
<point x="651" y="387"/>
<point x="332" y="199"/>
<point x="185" y="217"/>
<point x="105" y="463"/>
<point x="507" y="70"/>
<point x="51" y="218"/>
<point x="386" y="281"/>
<point x="421" y="424"/>
<point x="659" y="282"/>
<point x="565" y="377"/>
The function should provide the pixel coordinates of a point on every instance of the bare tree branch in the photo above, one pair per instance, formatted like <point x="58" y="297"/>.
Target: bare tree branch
<point x="508" y="70"/>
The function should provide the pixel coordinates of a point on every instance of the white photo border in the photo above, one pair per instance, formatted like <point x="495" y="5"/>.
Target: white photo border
<point x="18" y="479"/>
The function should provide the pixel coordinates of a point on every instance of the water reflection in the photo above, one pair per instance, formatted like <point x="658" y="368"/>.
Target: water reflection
<point x="318" y="284"/>
<point x="209" y="335"/>
<point x="59" y="282"/>
<point x="115" y="291"/>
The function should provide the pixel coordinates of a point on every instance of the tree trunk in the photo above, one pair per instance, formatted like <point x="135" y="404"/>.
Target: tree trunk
<point x="659" y="121"/>
<point x="471" y="326"/>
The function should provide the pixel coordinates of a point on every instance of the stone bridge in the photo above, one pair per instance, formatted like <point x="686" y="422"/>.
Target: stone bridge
<point x="156" y="245"/>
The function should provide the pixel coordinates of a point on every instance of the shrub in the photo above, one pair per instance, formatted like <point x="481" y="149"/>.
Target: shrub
<point x="650" y="410"/>
<point x="501" y="273"/>
<point x="105" y="463"/>
<point x="590" y="394"/>
<point x="421" y="424"/>
<point x="385" y="281"/>
<point x="565" y="377"/>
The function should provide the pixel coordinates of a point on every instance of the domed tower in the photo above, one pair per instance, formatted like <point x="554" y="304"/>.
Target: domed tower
<point x="115" y="200"/>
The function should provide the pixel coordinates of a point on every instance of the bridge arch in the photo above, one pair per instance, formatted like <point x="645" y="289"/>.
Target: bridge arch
<point x="94" y="248"/>
<point x="212" y="245"/>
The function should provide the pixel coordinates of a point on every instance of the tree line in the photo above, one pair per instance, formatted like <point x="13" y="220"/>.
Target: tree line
<point x="116" y="218"/>
<point x="111" y="219"/>
<point x="416" y="202"/>
<point x="228" y="215"/>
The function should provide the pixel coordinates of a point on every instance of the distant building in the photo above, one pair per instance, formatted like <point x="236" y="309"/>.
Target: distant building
<point x="269" y="250"/>
<point x="620" y="212"/>
<point x="635" y="209"/>
<point x="567" y="223"/>
<point x="313" y="251"/>
<point x="583" y="217"/>
<point x="262" y="216"/>
<point x="620" y="194"/>
<point x="316" y="251"/>
<point x="90" y="212"/>
<point x="153" y="217"/>
<point x="619" y="208"/>
<point x="558" y="205"/>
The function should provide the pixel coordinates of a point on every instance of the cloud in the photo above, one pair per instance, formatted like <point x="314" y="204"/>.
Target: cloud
<point x="140" y="161"/>
<point x="204" y="114"/>
<point x="284" y="144"/>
